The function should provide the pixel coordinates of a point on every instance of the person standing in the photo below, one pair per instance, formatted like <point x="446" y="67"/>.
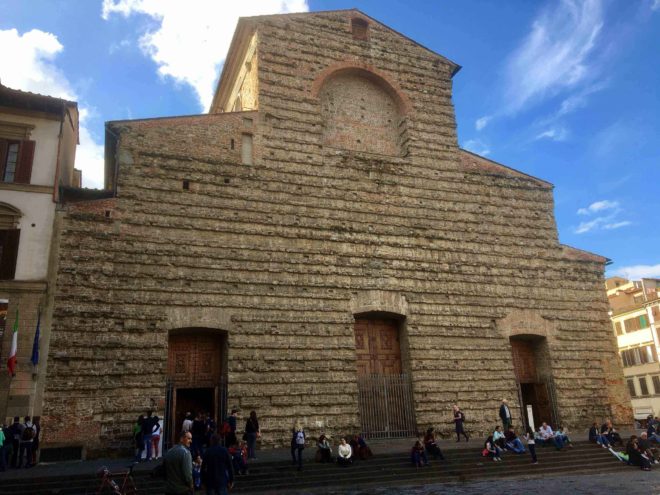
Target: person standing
<point x="217" y="471"/>
<point x="187" y="422"/>
<point x="16" y="430"/>
<point x="459" y="419"/>
<point x="251" y="434"/>
<point x="198" y="431"/>
<point x="155" y="438"/>
<point x="27" y="438"/>
<point x="505" y="415"/>
<point x="148" y="425"/>
<point x="531" y="444"/>
<point x="178" y="467"/>
<point x="298" y="444"/>
<point x="37" y="437"/>
<point x="230" y="435"/>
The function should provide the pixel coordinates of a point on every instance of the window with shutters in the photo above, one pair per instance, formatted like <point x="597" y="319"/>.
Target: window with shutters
<point x="631" y="387"/>
<point x="9" y="237"/>
<point x="16" y="160"/>
<point x="656" y="384"/>
<point x="643" y="386"/>
<point x="617" y="327"/>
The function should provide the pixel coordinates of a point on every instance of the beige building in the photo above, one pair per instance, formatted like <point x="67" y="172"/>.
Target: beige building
<point x="318" y="248"/>
<point x="38" y="138"/>
<point x="635" y="314"/>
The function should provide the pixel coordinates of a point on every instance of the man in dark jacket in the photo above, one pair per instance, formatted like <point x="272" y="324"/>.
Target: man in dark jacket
<point x="505" y="415"/>
<point x="217" y="472"/>
<point x="16" y="430"/>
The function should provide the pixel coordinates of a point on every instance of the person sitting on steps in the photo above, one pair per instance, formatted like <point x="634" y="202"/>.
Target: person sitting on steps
<point x="324" y="452"/>
<point x="431" y="444"/>
<point x="596" y="437"/>
<point x="513" y="442"/>
<point x="491" y="449"/>
<point x="635" y="456"/>
<point x="360" y="448"/>
<point x="499" y="438"/>
<point x="418" y="455"/>
<point x="344" y="453"/>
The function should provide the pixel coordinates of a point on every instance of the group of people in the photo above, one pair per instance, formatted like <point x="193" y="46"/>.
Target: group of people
<point x="147" y="431"/>
<point x="210" y="455"/>
<point x="640" y="451"/>
<point x="19" y="443"/>
<point x="347" y="450"/>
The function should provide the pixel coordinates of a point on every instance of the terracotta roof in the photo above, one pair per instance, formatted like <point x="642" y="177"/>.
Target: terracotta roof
<point x="478" y="163"/>
<point x="16" y="98"/>
<point x="572" y="253"/>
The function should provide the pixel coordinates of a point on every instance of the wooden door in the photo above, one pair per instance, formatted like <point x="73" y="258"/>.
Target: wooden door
<point x="377" y="347"/>
<point x="195" y="360"/>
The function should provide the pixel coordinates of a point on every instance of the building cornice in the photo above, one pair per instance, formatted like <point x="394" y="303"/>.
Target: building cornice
<point x="23" y="286"/>
<point x="32" y="188"/>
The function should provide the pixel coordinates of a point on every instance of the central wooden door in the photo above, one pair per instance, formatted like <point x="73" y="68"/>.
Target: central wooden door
<point x="377" y="347"/>
<point x="195" y="377"/>
<point x="385" y="393"/>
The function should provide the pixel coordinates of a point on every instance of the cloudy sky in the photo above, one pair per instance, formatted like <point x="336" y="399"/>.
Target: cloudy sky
<point x="566" y="90"/>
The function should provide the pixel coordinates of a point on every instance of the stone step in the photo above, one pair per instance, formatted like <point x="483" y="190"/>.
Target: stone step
<point x="392" y="468"/>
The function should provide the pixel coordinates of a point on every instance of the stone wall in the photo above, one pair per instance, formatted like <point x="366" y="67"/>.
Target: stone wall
<point x="283" y="253"/>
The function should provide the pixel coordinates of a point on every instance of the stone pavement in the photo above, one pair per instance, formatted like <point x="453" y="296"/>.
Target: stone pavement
<point x="635" y="482"/>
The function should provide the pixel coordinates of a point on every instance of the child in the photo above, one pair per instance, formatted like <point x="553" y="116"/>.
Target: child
<point x="531" y="444"/>
<point x="197" y="472"/>
<point x="240" y="467"/>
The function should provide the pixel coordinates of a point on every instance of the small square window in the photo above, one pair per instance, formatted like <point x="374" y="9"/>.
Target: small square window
<point x="360" y="29"/>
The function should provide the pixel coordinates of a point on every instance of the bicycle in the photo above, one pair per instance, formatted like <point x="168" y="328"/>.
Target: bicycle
<point x="125" y="487"/>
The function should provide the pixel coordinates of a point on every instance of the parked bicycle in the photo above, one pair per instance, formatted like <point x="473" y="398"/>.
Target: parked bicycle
<point x="124" y="486"/>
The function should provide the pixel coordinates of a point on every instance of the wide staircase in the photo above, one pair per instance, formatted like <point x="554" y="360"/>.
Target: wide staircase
<point x="393" y="468"/>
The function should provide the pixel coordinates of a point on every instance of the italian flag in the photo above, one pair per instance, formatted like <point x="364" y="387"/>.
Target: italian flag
<point x="11" y="362"/>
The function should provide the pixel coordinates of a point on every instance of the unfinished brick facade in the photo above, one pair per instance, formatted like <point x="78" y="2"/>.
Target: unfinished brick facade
<point x="358" y="201"/>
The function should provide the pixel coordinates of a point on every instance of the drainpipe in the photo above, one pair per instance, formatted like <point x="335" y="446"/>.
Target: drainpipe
<point x="56" y="186"/>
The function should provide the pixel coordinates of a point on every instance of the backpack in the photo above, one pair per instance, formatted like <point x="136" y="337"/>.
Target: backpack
<point x="300" y="438"/>
<point x="28" y="433"/>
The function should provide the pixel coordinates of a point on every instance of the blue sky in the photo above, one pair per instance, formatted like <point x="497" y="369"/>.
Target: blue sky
<point x="566" y="90"/>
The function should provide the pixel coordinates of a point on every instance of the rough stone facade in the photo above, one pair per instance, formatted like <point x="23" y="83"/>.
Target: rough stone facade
<point x="282" y="254"/>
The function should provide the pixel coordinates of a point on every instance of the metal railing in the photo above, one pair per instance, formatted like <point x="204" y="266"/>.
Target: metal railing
<point x="386" y="406"/>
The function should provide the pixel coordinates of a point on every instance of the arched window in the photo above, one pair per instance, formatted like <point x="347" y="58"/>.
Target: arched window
<point x="361" y="112"/>
<point x="9" y="236"/>
<point x="360" y="29"/>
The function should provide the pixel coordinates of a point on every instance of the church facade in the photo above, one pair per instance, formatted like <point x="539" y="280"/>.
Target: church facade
<point x="317" y="247"/>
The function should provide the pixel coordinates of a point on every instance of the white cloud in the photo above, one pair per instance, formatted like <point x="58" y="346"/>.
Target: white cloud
<point x="555" y="55"/>
<point x="27" y="63"/>
<point x="617" y="225"/>
<point x="656" y="5"/>
<point x="477" y="146"/>
<point x="554" y="134"/>
<point x="609" y="211"/>
<point x="636" y="272"/>
<point x="191" y="39"/>
<point x="599" y="206"/>
<point x="483" y="121"/>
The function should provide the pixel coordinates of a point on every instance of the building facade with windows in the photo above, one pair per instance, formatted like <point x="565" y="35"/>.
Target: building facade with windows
<point x="38" y="138"/>
<point x="635" y="314"/>
<point x="318" y="248"/>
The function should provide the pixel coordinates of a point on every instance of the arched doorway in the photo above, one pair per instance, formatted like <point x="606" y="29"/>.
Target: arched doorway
<point x="531" y="365"/>
<point x="385" y="395"/>
<point x="196" y="376"/>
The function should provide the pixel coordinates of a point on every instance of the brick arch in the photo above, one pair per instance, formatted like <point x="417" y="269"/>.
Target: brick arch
<point x="368" y="72"/>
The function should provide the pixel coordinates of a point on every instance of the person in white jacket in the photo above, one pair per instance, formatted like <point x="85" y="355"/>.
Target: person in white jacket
<point x="344" y="453"/>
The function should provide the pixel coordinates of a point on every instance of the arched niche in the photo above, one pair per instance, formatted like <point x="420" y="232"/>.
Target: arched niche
<point x="362" y="111"/>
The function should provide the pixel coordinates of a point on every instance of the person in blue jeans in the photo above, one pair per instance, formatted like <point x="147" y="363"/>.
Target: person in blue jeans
<point x="251" y="434"/>
<point x="513" y="442"/>
<point x="148" y="425"/>
<point x="217" y="470"/>
<point x="549" y="436"/>
<point x="418" y="455"/>
<point x="298" y="444"/>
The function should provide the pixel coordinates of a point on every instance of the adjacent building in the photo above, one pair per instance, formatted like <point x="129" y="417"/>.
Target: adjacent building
<point x="635" y="314"/>
<point x="38" y="138"/>
<point x="317" y="247"/>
